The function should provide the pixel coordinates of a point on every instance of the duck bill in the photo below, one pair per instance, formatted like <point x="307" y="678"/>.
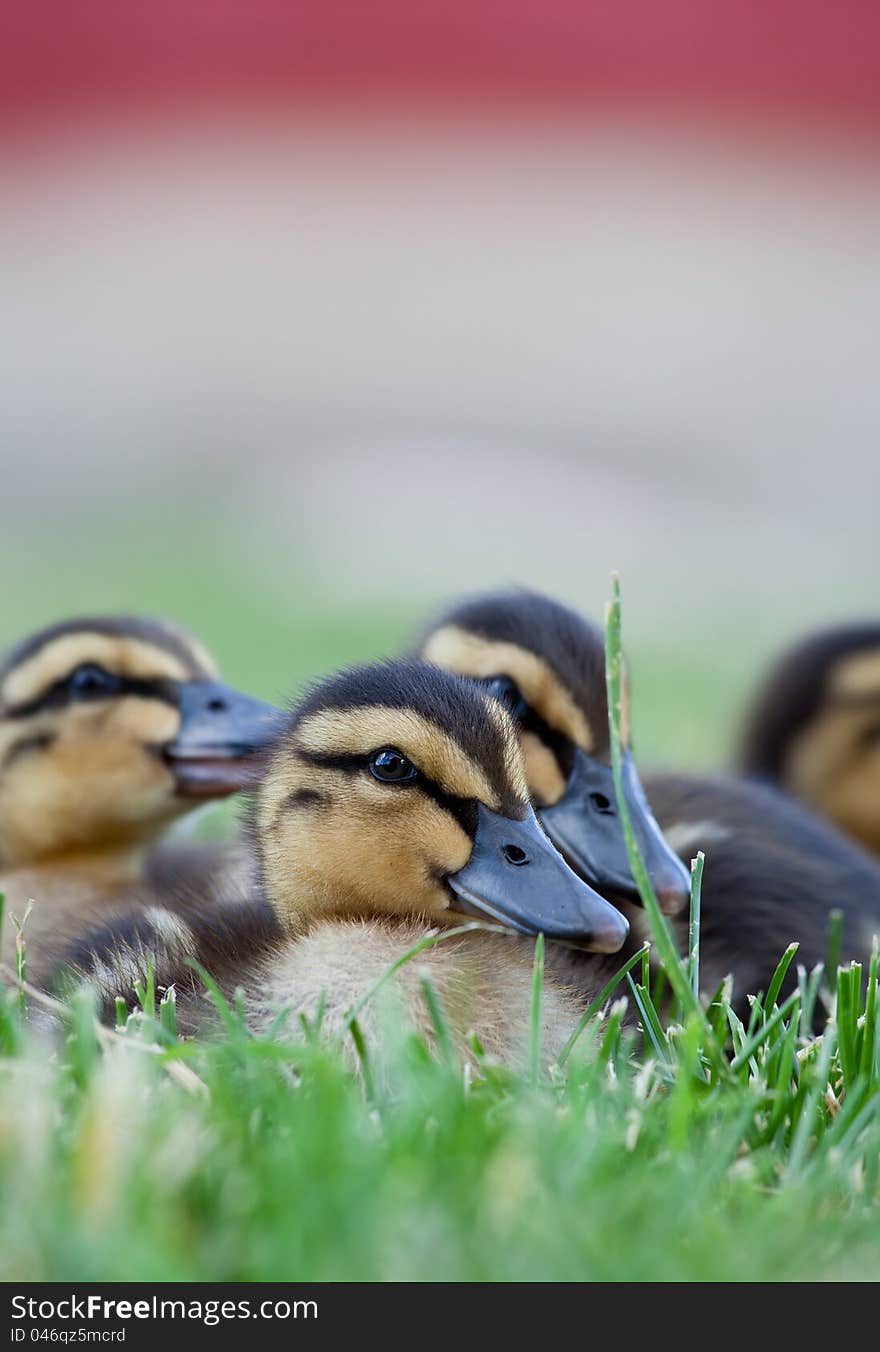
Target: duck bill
<point x="223" y="740"/>
<point x="515" y="877"/>
<point x="586" y="827"/>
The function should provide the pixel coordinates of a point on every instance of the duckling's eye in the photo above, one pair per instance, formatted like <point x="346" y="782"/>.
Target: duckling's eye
<point x="90" y="681"/>
<point x="503" y="688"/>
<point x="391" y="766"/>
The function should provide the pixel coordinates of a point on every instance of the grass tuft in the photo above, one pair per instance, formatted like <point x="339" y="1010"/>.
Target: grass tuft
<point x="697" y="1150"/>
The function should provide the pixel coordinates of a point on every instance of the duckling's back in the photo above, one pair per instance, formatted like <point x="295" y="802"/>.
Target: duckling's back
<point x="773" y="875"/>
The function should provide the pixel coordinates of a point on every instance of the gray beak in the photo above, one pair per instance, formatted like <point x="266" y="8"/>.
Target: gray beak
<point x="222" y="739"/>
<point x="585" y="825"/>
<point x="516" y="877"/>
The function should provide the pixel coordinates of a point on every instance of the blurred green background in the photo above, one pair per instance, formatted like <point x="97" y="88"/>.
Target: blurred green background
<point x="271" y="640"/>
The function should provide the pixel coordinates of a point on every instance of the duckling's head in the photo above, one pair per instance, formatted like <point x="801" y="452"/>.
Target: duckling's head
<point x="547" y="664"/>
<point x="110" y="728"/>
<point x="814" y="728"/>
<point x="398" y="790"/>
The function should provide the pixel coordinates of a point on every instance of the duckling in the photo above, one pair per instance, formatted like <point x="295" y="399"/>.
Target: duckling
<point x="773" y="872"/>
<point x="547" y="664"/>
<point x="814" y="728"/>
<point x="110" y="729"/>
<point x="394" y="805"/>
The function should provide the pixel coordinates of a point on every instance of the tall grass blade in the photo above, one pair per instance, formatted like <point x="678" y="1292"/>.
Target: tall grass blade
<point x="818" y="1084"/>
<point x="650" y="1022"/>
<point x="867" y="1068"/>
<point x="835" y="941"/>
<point x="21" y="958"/>
<point x="363" y="1055"/>
<point x="438" y="1019"/>
<point x="779" y="976"/>
<point x="751" y="1045"/>
<point x="676" y="971"/>
<point x="694" y="924"/>
<point x="595" y="1005"/>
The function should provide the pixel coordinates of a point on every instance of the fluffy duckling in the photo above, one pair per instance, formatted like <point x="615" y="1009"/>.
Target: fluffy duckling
<point x="547" y="665"/>
<point x="814" y="728"/>
<point x="394" y="804"/>
<point x="110" y="729"/>
<point x="773" y="873"/>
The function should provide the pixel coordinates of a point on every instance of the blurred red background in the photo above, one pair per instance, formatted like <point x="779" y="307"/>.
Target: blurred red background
<point x="809" y="57"/>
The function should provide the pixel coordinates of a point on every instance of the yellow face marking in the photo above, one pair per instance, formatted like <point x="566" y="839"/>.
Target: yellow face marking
<point x="830" y="767"/>
<point x="543" y="775"/>
<point x="121" y="655"/>
<point x="344" y="843"/>
<point x="471" y="655"/>
<point x="830" y="764"/>
<point x="96" y="783"/>
<point x="857" y="675"/>
<point x="433" y="751"/>
<point x="357" y="848"/>
<point x="86" y="777"/>
<point x="203" y="660"/>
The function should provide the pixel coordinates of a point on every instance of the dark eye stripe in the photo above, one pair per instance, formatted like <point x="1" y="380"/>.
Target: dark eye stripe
<point x="557" y="742"/>
<point x="508" y="693"/>
<point x="306" y="798"/>
<point x="349" y="764"/>
<point x="505" y="689"/>
<point x="464" y="810"/>
<point x="59" y="695"/>
<point x="39" y="742"/>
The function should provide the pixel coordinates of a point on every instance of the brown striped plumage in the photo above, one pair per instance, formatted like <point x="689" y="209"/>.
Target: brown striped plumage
<point x="813" y="729"/>
<point x="88" y="709"/>
<point x="773" y="872"/>
<point x="356" y="871"/>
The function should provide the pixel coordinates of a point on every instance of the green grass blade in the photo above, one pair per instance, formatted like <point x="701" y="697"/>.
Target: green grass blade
<point x="595" y="1005"/>
<point x="676" y="971"/>
<point x="869" y="1033"/>
<point x="146" y="991"/>
<point x="438" y="1019"/>
<point x="21" y="959"/>
<point x="231" y="1021"/>
<point x="752" y="1044"/>
<point x="809" y="987"/>
<point x="848" y="985"/>
<point x="835" y="939"/>
<point x="650" y="1022"/>
<point x="694" y="924"/>
<point x="168" y="1013"/>
<point x="807" y="1119"/>
<point x="363" y="1055"/>
<point x="779" y="976"/>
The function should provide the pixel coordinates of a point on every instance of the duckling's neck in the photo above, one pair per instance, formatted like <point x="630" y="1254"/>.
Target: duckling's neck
<point x="483" y="983"/>
<point x="103" y="868"/>
<point x="63" y="886"/>
<point x="305" y="896"/>
<point x="57" y="892"/>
